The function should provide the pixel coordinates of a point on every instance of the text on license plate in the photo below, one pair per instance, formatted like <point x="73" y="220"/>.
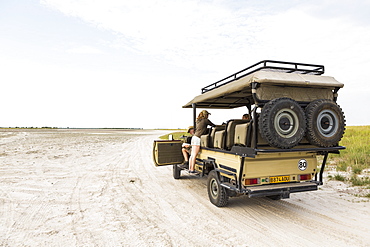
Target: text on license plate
<point x="280" y="179"/>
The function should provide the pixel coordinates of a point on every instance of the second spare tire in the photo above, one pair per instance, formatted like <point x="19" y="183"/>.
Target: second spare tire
<point x="282" y="123"/>
<point x="325" y="123"/>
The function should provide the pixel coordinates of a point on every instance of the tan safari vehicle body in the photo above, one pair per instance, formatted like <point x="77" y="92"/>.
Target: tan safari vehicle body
<point x="294" y="118"/>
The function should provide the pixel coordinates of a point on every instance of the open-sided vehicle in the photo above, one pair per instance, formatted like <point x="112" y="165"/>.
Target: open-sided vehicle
<point x="294" y="119"/>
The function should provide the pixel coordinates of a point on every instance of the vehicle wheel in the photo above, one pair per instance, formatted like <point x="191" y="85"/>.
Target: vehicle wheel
<point x="282" y="123"/>
<point x="325" y="123"/>
<point x="176" y="172"/>
<point x="216" y="193"/>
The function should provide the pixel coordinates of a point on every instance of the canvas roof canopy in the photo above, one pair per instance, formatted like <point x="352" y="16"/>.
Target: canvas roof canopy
<point x="238" y="92"/>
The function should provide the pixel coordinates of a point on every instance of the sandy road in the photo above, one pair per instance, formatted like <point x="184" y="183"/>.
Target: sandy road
<point x="100" y="188"/>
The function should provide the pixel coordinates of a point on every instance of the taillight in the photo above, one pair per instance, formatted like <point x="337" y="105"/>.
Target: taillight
<point x="305" y="177"/>
<point x="251" y="181"/>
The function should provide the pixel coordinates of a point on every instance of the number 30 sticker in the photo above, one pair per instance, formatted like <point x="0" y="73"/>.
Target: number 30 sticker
<point x="302" y="164"/>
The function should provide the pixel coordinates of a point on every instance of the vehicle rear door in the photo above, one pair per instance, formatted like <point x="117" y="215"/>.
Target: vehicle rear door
<point x="167" y="152"/>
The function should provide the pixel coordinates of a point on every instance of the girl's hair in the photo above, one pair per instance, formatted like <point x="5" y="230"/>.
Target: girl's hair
<point x="202" y="115"/>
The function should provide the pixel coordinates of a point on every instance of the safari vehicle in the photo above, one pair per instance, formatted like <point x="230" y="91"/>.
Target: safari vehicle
<point x="294" y="119"/>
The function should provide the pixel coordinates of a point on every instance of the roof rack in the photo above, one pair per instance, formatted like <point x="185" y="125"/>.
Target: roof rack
<point x="269" y="65"/>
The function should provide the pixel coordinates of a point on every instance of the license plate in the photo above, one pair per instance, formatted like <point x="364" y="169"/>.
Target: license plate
<point x="280" y="179"/>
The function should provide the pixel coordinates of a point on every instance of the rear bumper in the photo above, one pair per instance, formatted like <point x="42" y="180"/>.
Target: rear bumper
<point x="283" y="190"/>
<point x="280" y="189"/>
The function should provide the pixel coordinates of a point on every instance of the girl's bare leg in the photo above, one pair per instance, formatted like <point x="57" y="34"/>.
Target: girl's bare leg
<point x="185" y="154"/>
<point x="194" y="152"/>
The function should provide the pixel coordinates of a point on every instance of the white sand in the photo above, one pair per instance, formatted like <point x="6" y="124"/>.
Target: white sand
<point x="100" y="188"/>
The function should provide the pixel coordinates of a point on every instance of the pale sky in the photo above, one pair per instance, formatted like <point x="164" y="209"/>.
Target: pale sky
<point x="117" y="63"/>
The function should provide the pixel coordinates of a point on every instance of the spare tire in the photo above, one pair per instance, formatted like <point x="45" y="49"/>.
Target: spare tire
<point x="325" y="123"/>
<point x="282" y="123"/>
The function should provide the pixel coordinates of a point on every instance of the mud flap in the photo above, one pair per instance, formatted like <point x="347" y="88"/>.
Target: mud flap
<point x="285" y="195"/>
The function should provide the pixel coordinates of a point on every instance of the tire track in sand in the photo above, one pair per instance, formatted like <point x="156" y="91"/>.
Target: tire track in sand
<point x="265" y="221"/>
<point x="107" y="192"/>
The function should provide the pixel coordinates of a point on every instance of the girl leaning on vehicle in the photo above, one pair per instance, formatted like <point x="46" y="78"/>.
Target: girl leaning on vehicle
<point x="201" y="129"/>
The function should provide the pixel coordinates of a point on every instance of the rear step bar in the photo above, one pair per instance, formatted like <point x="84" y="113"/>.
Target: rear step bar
<point x="275" y="189"/>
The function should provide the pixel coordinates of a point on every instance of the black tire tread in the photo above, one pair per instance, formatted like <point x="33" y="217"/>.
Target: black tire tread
<point x="176" y="172"/>
<point x="265" y="128"/>
<point x="223" y="198"/>
<point x="312" y="136"/>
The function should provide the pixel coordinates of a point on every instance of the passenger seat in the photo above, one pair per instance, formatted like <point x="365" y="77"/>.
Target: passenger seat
<point x="213" y="134"/>
<point x="230" y="134"/>
<point x="240" y="137"/>
<point x="204" y="140"/>
<point x="219" y="139"/>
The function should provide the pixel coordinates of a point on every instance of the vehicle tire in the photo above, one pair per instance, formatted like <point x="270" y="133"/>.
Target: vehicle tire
<point x="176" y="172"/>
<point x="216" y="193"/>
<point x="282" y="123"/>
<point x="325" y="123"/>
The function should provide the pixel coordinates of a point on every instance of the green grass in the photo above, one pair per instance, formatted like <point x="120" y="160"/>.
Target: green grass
<point x="355" y="158"/>
<point x="342" y="165"/>
<point x="356" y="181"/>
<point x="357" y="153"/>
<point x="339" y="177"/>
<point x="176" y="135"/>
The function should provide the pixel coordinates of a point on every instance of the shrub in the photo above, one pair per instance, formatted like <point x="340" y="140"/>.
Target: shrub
<point x="339" y="177"/>
<point x="342" y="166"/>
<point x="357" y="170"/>
<point x="356" y="181"/>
